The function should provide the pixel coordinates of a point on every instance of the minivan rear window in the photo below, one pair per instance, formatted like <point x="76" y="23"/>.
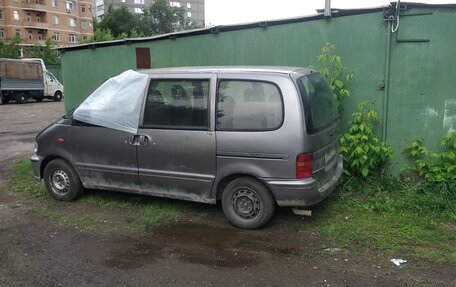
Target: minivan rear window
<point x="320" y="107"/>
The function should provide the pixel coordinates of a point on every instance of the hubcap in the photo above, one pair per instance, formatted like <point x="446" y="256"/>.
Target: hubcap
<point x="246" y="203"/>
<point x="60" y="182"/>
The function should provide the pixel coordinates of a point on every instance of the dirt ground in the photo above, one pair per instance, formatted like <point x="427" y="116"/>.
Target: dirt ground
<point x="35" y="251"/>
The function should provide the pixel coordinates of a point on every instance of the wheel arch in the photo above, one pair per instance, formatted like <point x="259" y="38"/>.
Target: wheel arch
<point x="224" y="181"/>
<point x="50" y="158"/>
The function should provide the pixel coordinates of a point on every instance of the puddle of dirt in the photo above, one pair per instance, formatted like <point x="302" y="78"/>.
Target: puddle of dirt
<point x="198" y="244"/>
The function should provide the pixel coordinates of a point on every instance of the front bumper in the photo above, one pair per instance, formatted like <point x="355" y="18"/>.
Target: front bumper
<point x="36" y="165"/>
<point x="305" y="192"/>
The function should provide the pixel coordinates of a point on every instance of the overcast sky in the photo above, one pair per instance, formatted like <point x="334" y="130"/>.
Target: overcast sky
<point x="224" y="12"/>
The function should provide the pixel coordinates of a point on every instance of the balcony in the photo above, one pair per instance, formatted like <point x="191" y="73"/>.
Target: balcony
<point x="34" y="5"/>
<point x="35" y="25"/>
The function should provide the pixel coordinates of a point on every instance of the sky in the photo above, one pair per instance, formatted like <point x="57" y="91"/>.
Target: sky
<point x="225" y="12"/>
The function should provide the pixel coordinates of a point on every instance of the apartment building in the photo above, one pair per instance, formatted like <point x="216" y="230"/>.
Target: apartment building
<point x="194" y="9"/>
<point x="68" y="22"/>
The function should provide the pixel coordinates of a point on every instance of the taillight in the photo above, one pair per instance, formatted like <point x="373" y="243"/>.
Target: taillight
<point x="304" y="166"/>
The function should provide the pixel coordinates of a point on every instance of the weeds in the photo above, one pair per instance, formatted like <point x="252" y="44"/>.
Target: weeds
<point x="395" y="215"/>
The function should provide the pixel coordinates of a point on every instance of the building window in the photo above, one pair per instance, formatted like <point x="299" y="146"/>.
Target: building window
<point x="56" y="20"/>
<point x="30" y="35"/>
<point x="40" y="37"/>
<point x="72" y="38"/>
<point x="54" y="3"/>
<point x="189" y="5"/>
<point x="174" y="4"/>
<point x="85" y="39"/>
<point x="138" y="10"/>
<point x="16" y="15"/>
<point x="139" y="1"/>
<point x="189" y="14"/>
<point x="57" y="37"/>
<point x="84" y="25"/>
<point x="38" y="18"/>
<point x="83" y="8"/>
<point x="1" y="14"/>
<point x="18" y="32"/>
<point x="70" y="5"/>
<point x="71" y="22"/>
<point x="2" y="33"/>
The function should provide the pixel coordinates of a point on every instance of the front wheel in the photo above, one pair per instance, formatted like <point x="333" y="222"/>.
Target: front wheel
<point x="247" y="203"/>
<point x="61" y="180"/>
<point x="58" y="96"/>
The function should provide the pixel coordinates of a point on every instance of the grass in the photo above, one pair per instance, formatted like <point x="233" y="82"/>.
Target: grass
<point x="399" y="216"/>
<point x="135" y="213"/>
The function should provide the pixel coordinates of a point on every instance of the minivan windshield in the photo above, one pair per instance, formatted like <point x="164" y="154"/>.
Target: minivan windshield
<point x="320" y="106"/>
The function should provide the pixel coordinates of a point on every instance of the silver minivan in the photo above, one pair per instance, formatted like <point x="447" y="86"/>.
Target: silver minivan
<point x="248" y="137"/>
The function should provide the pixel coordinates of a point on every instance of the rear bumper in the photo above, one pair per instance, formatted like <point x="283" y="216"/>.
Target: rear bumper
<point x="305" y="192"/>
<point x="36" y="165"/>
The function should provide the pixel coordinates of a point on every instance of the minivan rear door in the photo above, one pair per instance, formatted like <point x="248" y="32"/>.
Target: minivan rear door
<point x="322" y="124"/>
<point x="176" y="144"/>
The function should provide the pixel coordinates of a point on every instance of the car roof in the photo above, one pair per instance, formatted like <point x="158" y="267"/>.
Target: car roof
<point x="284" y="70"/>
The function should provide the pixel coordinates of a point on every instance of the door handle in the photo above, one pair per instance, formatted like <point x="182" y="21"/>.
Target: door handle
<point x="139" y="140"/>
<point x="132" y="140"/>
<point x="143" y="140"/>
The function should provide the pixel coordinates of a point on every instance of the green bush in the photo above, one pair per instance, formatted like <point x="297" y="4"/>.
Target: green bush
<point x="431" y="166"/>
<point x="363" y="153"/>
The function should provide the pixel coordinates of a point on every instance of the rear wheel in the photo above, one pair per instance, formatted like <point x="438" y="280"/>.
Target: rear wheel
<point x="62" y="181"/>
<point x="247" y="203"/>
<point x="21" y="99"/>
<point x="58" y="96"/>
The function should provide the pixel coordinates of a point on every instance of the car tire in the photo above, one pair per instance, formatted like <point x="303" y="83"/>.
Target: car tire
<point x="61" y="181"/>
<point x="247" y="203"/>
<point x="58" y="96"/>
<point x="21" y="99"/>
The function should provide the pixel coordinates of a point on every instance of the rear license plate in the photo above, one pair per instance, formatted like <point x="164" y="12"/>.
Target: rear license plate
<point x="330" y="155"/>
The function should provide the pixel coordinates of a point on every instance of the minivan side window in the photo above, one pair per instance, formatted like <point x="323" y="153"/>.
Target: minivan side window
<point x="177" y="104"/>
<point x="248" y="105"/>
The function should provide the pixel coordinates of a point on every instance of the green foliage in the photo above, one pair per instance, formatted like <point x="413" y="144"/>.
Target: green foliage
<point x="160" y="18"/>
<point x="100" y="35"/>
<point x="332" y="68"/>
<point x="47" y="52"/>
<point x="435" y="167"/>
<point x="11" y="50"/>
<point x="118" y="22"/>
<point x="363" y="153"/>
<point x="388" y="214"/>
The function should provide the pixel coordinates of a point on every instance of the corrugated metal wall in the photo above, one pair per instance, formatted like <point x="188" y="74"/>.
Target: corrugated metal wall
<point x="417" y="64"/>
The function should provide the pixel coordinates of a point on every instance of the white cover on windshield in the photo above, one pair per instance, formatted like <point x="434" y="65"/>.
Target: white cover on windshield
<point x="116" y="104"/>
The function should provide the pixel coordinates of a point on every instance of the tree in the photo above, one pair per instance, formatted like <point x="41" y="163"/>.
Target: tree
<point x="117" y="21"/>
<point x="100" y="35"/>
<point x="11" y="50"/>
<point x="160" y="18"/>
<point x="47" y="52"/>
